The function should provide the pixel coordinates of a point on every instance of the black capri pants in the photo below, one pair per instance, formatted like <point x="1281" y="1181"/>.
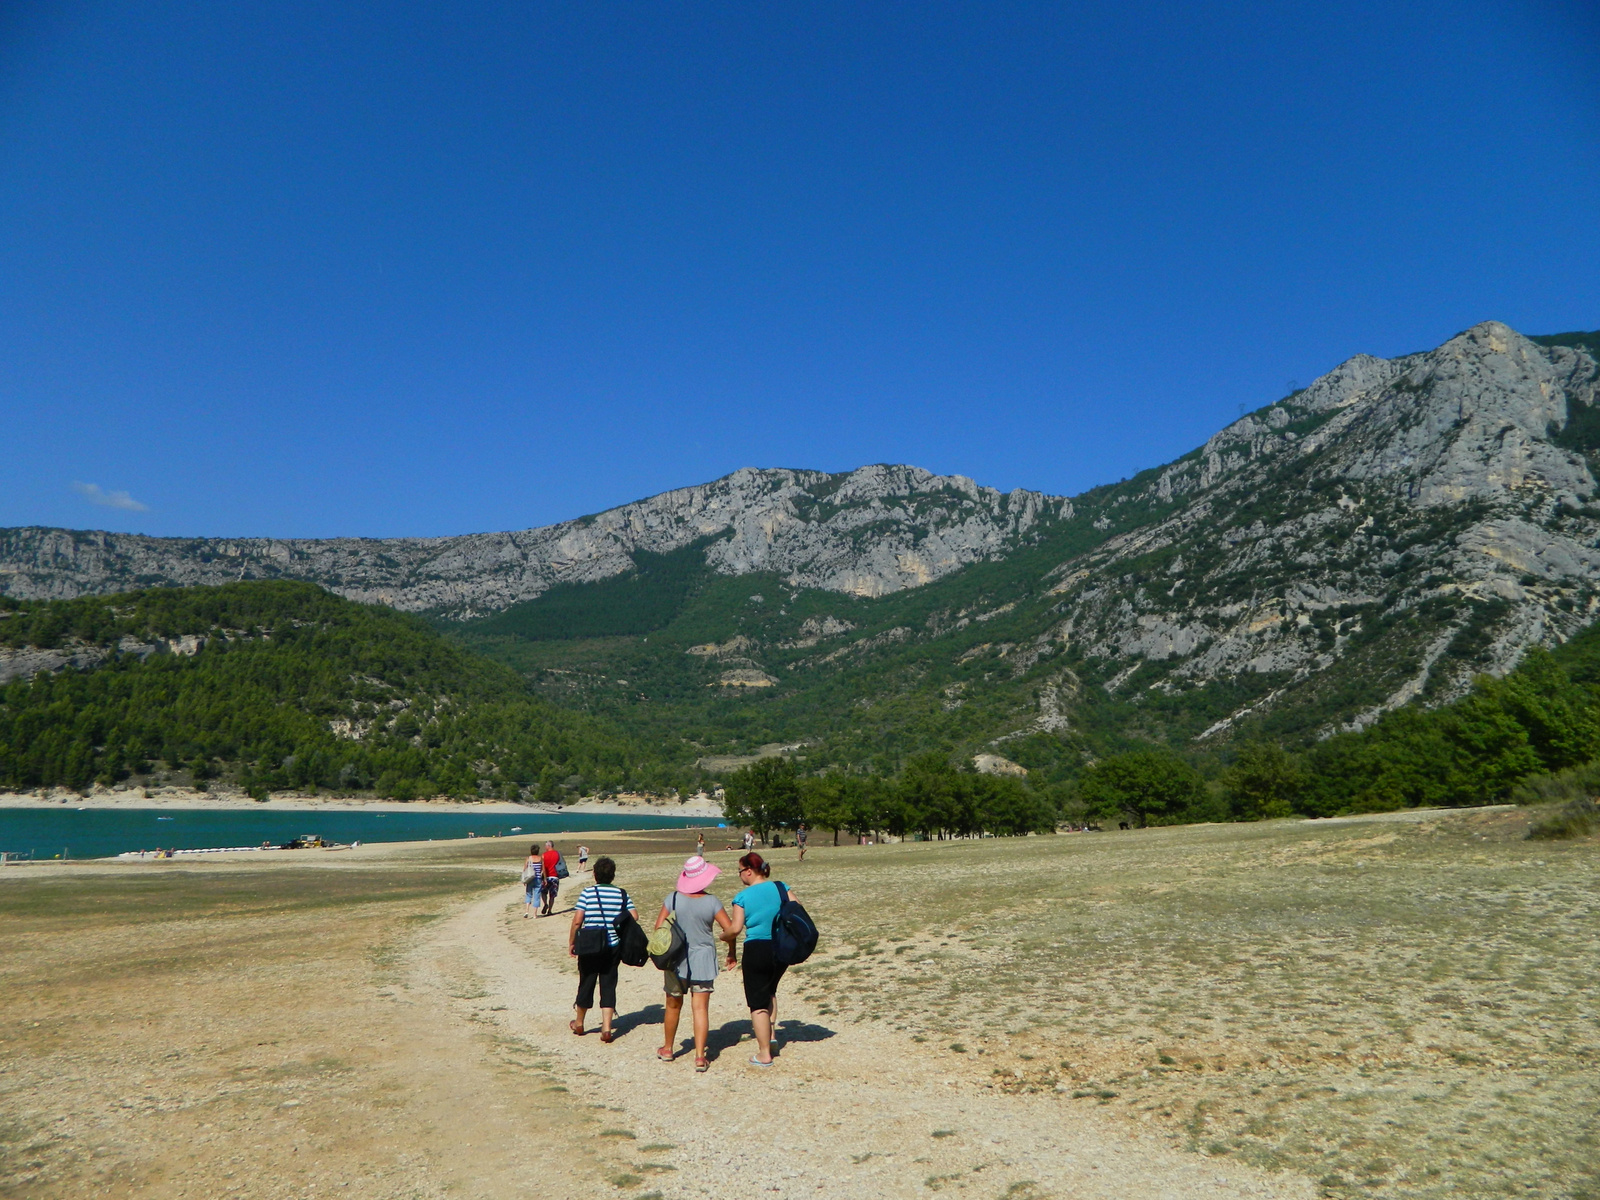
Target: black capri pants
<point x="761" y="975"/>
<point x="597" y="968"/>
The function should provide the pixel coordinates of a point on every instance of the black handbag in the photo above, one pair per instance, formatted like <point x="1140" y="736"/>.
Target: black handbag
<point x="591" y="940"/>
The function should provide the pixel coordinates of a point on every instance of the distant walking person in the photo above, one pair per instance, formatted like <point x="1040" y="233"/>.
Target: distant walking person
<point x="548" y="862"/>
<point x="593" y="941"/>
<point x="800" y="836"/>
<point x="532" y="877"/>
<point x="700" y="844"/>
<point x="749" y="839"/>
<point x="697" y="912"/>
<point x="754" y="909"/>
<point x="583" y="858"/>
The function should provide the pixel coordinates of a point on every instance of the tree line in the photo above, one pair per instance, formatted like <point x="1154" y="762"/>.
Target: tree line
<point x="297" y="688"/>
<point x="930" y="797"/>
<point x="1542" y="718"/>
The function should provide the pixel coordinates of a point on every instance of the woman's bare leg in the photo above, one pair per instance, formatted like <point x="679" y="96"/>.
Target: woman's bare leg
<point x="761" y="1022"/>
<point x="578" y="1017"/>
<point x="702" y="1021"/>
<point x="669" y="1033"/>
<point x="606" y="1015"/>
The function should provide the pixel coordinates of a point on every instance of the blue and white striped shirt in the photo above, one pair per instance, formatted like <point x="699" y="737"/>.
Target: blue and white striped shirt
<point x="601" y="905"/>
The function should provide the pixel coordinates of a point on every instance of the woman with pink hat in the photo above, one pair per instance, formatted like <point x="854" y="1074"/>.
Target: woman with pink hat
<point x="696" y="911"/>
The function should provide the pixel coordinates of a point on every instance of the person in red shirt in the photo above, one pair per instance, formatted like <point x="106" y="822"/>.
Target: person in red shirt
<point x="551" y="883"/>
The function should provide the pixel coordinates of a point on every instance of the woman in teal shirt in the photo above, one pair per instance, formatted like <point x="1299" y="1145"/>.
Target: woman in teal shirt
<point x="754" y="910"/>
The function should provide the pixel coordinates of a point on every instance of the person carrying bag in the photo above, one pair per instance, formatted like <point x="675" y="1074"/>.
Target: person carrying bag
<point x="595" y="941"/>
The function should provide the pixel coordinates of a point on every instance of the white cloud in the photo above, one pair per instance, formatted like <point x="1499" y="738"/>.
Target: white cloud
<point x="92" y="493"/>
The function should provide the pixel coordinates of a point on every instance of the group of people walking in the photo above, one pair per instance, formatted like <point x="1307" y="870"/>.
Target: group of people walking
<point x="542" y="873"/>
<point x="703" y="920"/>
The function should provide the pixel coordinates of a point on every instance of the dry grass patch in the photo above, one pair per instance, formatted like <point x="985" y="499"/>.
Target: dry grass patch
<point x="1399" y="1005"/>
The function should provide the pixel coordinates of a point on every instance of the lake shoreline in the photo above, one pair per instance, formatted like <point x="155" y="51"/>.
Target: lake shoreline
<point x="699" y="807"/>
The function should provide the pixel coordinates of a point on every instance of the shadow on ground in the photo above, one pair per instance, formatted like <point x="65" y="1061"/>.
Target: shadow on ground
<point x="626" y="1023"/>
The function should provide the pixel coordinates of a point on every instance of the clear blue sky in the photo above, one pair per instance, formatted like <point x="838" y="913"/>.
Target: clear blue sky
<point x="307" y="269"/>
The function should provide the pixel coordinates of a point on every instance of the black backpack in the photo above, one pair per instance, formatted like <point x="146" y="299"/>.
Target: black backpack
<point x="794" y="934"/>
<point x="633" y="943"/>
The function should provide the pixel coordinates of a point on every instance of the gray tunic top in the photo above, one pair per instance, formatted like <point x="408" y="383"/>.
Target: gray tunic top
<point x="697" y="917"/>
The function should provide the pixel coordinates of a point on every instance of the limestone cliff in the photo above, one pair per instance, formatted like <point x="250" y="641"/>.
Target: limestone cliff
<point x="1442" y="500"/>
<point x="872" y="531"/>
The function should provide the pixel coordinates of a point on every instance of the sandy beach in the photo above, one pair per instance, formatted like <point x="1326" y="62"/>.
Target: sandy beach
<point x="695" y="806"/>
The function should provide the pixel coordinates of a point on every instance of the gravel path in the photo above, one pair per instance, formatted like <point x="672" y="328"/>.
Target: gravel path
<point x="848" y="1111"/>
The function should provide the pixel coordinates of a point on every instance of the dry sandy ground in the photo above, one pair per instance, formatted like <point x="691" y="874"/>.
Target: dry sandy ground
<point x="849" y="1110"/>
<point x="260" y="1033"/>
<point x="392" y="1030"/>
<point x="1393" y="1006"/>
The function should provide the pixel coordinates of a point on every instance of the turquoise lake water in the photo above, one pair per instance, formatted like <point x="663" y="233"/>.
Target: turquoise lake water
<point x="102" y="832"/>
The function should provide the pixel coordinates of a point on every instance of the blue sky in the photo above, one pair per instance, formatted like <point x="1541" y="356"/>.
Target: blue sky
<point x="336" y="268"/>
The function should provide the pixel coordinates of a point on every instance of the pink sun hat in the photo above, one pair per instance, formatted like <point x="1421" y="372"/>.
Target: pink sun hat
<point x="697" y="875"/>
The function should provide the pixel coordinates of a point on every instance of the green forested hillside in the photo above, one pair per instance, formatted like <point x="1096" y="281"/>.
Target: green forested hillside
<point x="292" y="687"/>
<point x="289" y="686"/>
<point x="866" y="698"/>
<point x="954" y="665"/>
<point x="958" y="667"/>
<point x="640" y="601"/>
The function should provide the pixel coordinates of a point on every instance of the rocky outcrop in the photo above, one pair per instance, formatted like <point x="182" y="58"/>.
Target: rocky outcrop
<point x="1418" y="520"/>
<point x="24" y="662"/>
<point x="868" y="533"/>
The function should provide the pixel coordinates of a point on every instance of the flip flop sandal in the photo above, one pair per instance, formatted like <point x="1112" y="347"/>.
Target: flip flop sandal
<point x="573" y="1025"/>
<point x="756" y="1062"/>
<point x="702" y="1065"/>
<point x="666" y="1058"/>
<point x="607" y="1037"/>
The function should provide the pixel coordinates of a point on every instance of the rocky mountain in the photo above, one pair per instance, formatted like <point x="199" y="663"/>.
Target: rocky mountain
<point x="869" y="532"/>
<point x="1380" y="537"/>
<point x="1412" y="521"/>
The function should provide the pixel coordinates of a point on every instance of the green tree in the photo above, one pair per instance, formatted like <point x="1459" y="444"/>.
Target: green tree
<point x="1264" y="781"/>
<point x="827" y="802"/>
<point x="934" y="797"/>
<point x="1145" y="785"/>
<point x="763" y="795"/>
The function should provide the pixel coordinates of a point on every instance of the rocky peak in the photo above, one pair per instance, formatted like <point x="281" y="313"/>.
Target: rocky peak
<point x="867" y="532"/>
<point x="1440" y="496"/>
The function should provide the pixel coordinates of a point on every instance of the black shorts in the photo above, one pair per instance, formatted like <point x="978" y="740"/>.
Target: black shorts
<point x="761" y="975"/>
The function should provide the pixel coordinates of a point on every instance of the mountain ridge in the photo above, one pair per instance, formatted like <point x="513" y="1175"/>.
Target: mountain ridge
<point x="870" y="531"/>
<point x="1380" y="537"/>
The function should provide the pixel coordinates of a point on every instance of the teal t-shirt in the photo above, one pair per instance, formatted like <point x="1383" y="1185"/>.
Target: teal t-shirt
<point x="760" y="902"/>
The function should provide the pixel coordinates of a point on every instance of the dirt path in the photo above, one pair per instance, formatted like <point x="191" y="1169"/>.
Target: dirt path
<point x="849" y="1110"/>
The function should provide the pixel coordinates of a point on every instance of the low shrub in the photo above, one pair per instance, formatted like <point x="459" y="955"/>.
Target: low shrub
<point x="1581" y="782"/>
<point x="1575" y="819"/>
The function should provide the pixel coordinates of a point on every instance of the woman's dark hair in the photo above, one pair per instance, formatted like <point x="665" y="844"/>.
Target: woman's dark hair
<point x="754" y="862"/>
<point x="604" y="870"/>
<point x="534" y="849"/>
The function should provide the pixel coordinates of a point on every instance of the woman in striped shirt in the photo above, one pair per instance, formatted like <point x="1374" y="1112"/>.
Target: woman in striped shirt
<point x="597" y="909"/>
